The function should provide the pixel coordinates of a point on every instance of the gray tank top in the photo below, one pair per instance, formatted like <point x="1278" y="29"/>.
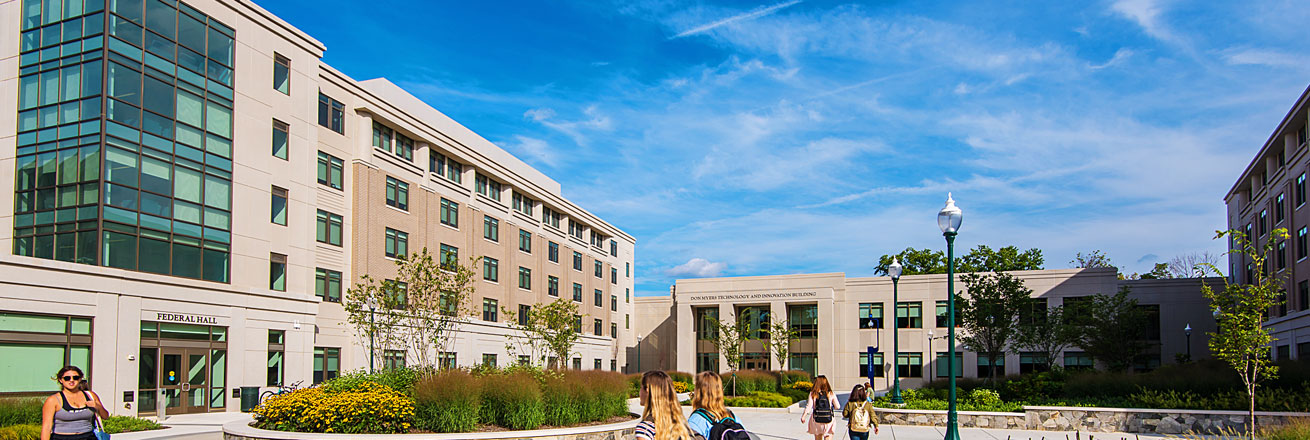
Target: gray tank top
<point x="69" y="420"/>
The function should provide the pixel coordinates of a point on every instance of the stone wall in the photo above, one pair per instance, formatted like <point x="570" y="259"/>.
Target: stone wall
<point x="1152" y="421"/>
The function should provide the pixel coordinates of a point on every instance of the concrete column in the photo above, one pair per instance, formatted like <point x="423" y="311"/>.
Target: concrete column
<point x="777" y="312"/>
<point x="685" y="359"/>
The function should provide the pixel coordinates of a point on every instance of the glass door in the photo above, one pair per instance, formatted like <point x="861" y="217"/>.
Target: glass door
<point x="183" y="380"/>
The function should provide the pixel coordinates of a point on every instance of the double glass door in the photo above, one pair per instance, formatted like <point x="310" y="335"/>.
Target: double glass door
<point x="183" y="379"/>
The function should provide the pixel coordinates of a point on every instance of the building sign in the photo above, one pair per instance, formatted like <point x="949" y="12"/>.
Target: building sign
<point x="184" y="318"/>
<point x="753" y="296"/>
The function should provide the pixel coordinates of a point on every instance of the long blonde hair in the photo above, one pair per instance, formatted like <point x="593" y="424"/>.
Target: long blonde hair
<point x="821" y="387"/>
<point x="709" y="395"/>
<point x="660" y="407"/>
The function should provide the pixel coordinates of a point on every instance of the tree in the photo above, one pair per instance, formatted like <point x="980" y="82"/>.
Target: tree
<point x="1159" y="272"/>
<point x="423" y="307"/>
<point x="1112" y="331"/>
<point x="1096" y="259"/>
<point x="990" y="314"/>
<point x="1242" y="341"/>
<point x="548" y="330"/>
<point x="914" y="262"/>
<point x="980" y="259"/>
<point x="729" y="339"/>
<point x="780" y="336"/>
<point x="1193" y="265"/>
<point x="1048" y="331"/>
<point x="380" y="325"/>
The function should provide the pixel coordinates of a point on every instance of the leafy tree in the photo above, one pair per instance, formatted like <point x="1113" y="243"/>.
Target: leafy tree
<point x="1242" y="341"/>
<point x="980" y="259"/>
<point x="990" y="312"/>
<point x="1112" y="332"/>
<point x="548" y="331"/>
<point x="780" y="336"/>
<point x="379" y="325"/>
<point x="1096" y="259"/>
<point x="1159" y="272"/>
<point x="1048" y="331"/>
<point x="914" y="262"/>
<point x="729" y="339"/>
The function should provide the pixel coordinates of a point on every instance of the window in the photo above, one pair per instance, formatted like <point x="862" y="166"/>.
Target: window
<point x="1303" y="296"/>
<point x="449" y="256"/>
<point x="1301" y="243"/>
<point x="943" y="314"/>
<point x="524" y="312"/>
<point x="330" y="170"/>
<point x="577" y="323"/>
<point x="985" y="367"/>
<point x="577" y="292"/>
<point x="943" y="357"/>
<point x="552" y="286"/>
<point x="552" y="251"/>
<point x="804" y="320"/>
<point x="577" y="363"/>
<point x="393" y="359"/>
<point x="525" y="360"/>
<point x="614" y="248"/>
<point x="384" y="138"/>
<point x="278" y="207"/>
<point x="577" y="261"/>
<point x="705" y="323"/>
<point x="449" y="213"/>
<point x="523" y="204"/>
<point x="327" y="363"/>
<point x="490" y="228"/>
<point x="445" y="167"/>
<point x="446" y="360"/>
<point x="597" y="330"/>
<point x="627" y="321"/>
<point x="614" y="365"/>
<point x="614" y="303"/>
<point x="1300" y="190"/>
<point x="1301" y="138"/>
<point x="489" y="310"/>
<point x="1030" y="362"/>
<point x="707" y="362"/>
<point x="757" y="318"/>
<point x="487" y="187"/>
<point x="489" y="359"/>
<point x="627" y="294"/>
<point x="614" y="330"/>
<point x="397" y="245"/>
<point x="1282" y="254"/>
<point x="328" y="228"/>
<point x="598" y="299"/>
<point x="280" y="139"/>
<point x="397" y="294"/>
<point x="627" y="270"/>
<point x="909" y="315"/>
<point x="870" y="315"/>
<point x="1278" y="209"/>
<point x="1264" y="222"/>
<point x="404" y="147"/>
<point x="331" y="113"/>
<point x="575" y="229"/>
<point x="277" y="272"/>
<point x="397" y="194"/>
<point x="490" y="269"/>
<point x="281" y="74"/>
<point x="525" y="241"/>
<point x="327" y="284"/>
<point x="614" y="275"/>
<point x="876" y="363"/>
<point x="276" y="347"/>
<point x="525" y="278"/>
<point x="550" y="217"/>
<point x="600" y="270"/>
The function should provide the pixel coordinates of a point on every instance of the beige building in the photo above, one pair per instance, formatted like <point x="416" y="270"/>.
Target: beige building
<point x="195" y="191"/>
<point x="839" y="319"/>
<point x="1270" y="195"/>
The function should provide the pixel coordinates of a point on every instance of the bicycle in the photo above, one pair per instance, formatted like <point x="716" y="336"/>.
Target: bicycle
<point x="281" y="389"/>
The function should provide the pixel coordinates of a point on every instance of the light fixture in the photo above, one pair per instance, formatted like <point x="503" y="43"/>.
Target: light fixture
<point x="950" y="217"/>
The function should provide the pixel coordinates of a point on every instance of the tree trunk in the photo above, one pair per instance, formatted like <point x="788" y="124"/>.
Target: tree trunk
<point x="1251" y="412"/>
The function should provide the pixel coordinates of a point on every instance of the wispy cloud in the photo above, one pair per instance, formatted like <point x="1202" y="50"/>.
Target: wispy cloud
<point x="533" y="148"/>
<point x="753" y="14"/>
<point x="1261" y="57"/>
<point x="1120" y="56"/>
<point x="696" y="268"/>
<point x="1146" y="13"/>
<point x="576" y="130"/>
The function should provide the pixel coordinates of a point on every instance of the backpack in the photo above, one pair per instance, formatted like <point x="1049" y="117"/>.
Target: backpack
<point x="823" y="410"/>
<point x="726" y="428"/>
<point x="860" y="417"/>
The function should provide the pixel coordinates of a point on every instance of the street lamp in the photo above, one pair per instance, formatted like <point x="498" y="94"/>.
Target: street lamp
<point x="894" y="270"/>
<point x="933" y="364"/>
<point x="1188" y="331"/>
<point x="948" y="219"/>
<point x="372" y="304"/>
<point x="639" y="338"/>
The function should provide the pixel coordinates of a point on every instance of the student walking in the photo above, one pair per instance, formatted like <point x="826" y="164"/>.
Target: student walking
<point x="859" y="412"/>
<point x="71" y="413"/>
<point x="819" y="410"/>
<point x="709" y="417"/>
<point x="661" y="415"/>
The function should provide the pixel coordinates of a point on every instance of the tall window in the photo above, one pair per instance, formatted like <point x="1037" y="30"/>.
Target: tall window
<point x="330" y="170"/>
<point x="870" y="315"/>
<point x="552" y="286"/>
<point x="577" y="292"/>
<point x="525" y="241"/>
<point x="614" y="330"/>
<point x="614" y="275"/>
<point x="280" y="139"/>
<point x="909" y="315"/>
<point x="550" y="217"/>
<point x="278" y="207"/>
<point x="327" y="284"/>
<point x="596" y="330"/>
<point x="577" y="323"/>
<point x="490" y="269"/>
<point x="445" y="167"/>
<point x="328" y="228"/>
<point x="757" y="318"/>
<point x="1300" y="190"/>
<point x="1303" y="297"/>
<point x="705" y="318"/>
<point x="277" y="272"/>
<point x="449" y="213"/>
<point x="490" y="228"/>
<point x="281" y="74"/>
<point x="487" y="187"/>
<point x="447" y="360"/>
<point x="331" y="113"/>
<point x="1301" y="243"/>
<point x="525" y="278"/>
<point x="707" y="362"/>
<point x="523" y="204"/>
<point x="614" y="303"/>
<point x="600" y="270"/>
<point x="986" y="367"/>
<point x="524" y="312"/>
<point x="327" y="363"/>
<point x="1278" y="208"/>
<point x="397" y="244"/>
<point x="1282" y="254"/>
<point x="804" y="320"/>
<point x="943" y="314"/>
<point x="577" y="261"/>
<point x="941" y="367"/>
<point x="598" y="301"/>
<point x="397" y="194"/>
<point x="489" y="309"/>
<point x="614" y="248"/>
<point x="1264" y="222"/>
<point x="276" y="348"/>
<point x="449" y="256"/>
<point x="552" y="252"/>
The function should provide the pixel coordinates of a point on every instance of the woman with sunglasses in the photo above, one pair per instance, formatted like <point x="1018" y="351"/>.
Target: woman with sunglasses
<point x="70" y="414"/>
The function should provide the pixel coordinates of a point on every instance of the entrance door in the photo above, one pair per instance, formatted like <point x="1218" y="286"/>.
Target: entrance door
<point x="184" y="379"/>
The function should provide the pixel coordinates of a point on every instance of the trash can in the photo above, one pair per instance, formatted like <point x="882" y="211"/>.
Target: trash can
<point x="249" y="398"/>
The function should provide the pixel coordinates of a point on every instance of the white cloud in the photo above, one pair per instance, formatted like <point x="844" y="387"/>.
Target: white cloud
<point x="1146" y="13"/>
<point x="1120" y="56"/>
<point x="696" y="268"/>
<point x="533" y="148"/>
<point x="756" y="13"/>
<point x="1261" y="57"/>
<point x="577" y="130"/>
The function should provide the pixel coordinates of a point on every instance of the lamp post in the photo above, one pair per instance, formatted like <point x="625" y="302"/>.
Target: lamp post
<point x="894" y="270"/>
<point x="933" y="364"/>
<point x="372" y="328"/>
<point x="1188" y="331"/>
<point x="639" y="338"/>
<point x="948" y="219"/>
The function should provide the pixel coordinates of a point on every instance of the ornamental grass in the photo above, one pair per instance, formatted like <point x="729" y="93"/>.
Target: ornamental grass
<point x="448" y="401"/>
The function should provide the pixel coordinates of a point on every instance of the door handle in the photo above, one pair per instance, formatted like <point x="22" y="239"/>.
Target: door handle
<point x="186" y="386"/>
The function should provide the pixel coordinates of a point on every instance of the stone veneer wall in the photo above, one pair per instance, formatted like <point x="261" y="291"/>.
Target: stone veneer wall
<point x="1151" y="421"/>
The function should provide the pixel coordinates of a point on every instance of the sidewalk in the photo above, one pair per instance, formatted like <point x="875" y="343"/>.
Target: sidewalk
<point x="188" y="427"/>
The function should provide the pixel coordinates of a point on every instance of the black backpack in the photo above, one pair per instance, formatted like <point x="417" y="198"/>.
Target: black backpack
<point x="822" y="410"/>
<point x="726" y="428"/>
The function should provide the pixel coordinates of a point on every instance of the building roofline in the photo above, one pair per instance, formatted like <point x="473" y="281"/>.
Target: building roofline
<point x="259" y="15"/>
<point x="1296" y="106"/>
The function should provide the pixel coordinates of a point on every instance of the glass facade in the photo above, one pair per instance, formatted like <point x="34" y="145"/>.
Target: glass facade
<point x="33" y="346"/>
<point x="124" y="149"/>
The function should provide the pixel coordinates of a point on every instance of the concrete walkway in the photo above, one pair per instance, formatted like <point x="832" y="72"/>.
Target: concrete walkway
<point x="207" y="426"/>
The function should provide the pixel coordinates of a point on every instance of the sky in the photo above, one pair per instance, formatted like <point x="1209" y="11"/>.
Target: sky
<point x="778" y="137"/>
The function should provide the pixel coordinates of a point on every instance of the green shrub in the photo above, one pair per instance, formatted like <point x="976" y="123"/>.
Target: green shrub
<point x="118" y="424"/>
<point x="448" y="401"/>
<point x="759" y="399"/>
<point x="398" y="379"/>
<point x="749" y="381"/>
<point x="679" y="376"/>
<point x="21" y="411"/>
<point x="512" y="401"/>
<point x="792" y="376"/>
<point x="794" y="394"/>
<point x="983" y="397"/>
<point x="21" y="432"/>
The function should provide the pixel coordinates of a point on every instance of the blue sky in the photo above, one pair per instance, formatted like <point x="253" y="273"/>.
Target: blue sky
<point x="753" y="138"/>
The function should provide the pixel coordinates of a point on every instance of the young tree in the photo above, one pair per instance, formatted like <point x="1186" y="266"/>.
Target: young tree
<point x="548" y="332"/>
<point x="990" y="312"/>
<point x="1096" y="259"/>
<point x="729" y="339"/>
<point x="914" y="262"/>
<point x="371" y="309"/>
<point x="1112" y="332"/>
<point x="1048" y="331"/>
<point x="1159" y="272"/>
<point x="1242" y="341"/>
<point x="1193" y="265"/>
<point x="780" y="336"/>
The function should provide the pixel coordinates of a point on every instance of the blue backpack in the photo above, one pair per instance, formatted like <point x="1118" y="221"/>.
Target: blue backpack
<point x="726" y="428"/>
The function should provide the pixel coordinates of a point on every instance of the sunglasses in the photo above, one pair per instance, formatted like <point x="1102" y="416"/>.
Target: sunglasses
<point x="72" y="378"/>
